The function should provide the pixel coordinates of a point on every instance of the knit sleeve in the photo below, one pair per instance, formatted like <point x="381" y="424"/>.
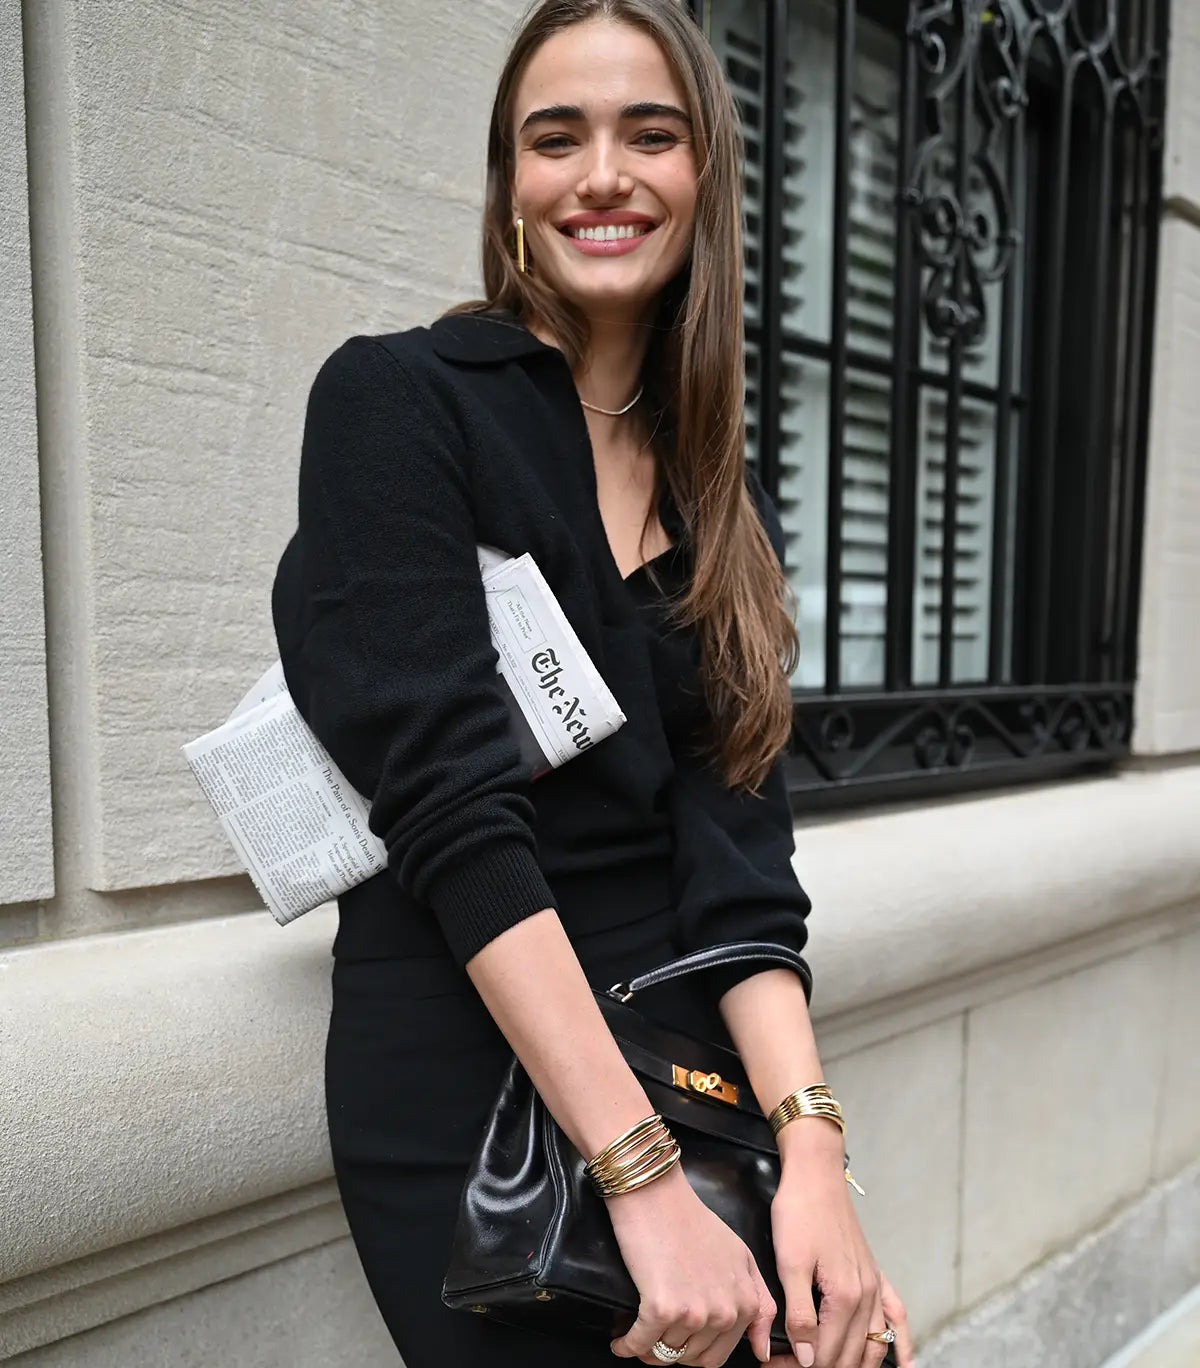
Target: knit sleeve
<point x="732" y="874"/>
<point x="383" y="632"/>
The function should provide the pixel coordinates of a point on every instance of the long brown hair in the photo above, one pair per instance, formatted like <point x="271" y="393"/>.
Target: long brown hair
<point x="739" y="600"/>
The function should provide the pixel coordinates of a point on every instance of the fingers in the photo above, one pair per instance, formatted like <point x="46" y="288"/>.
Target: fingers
<point x="848" y="1300"/>
<point x="641" y="1335"/>
<point x="897" y="1318"/>
<point x="727" y="1331"/>
<point x="850" y="1307"/>
<point x="876" y="1320"/>
<point x="653" y="1323"/>
<point x="753" y="1312"/>
<point x="693" y="1328"/>
<point x="757" y="1313"/>
<point x="758" y="1332"/>
<point x="801" y="1319"/>
<point x="711" y="1332"/>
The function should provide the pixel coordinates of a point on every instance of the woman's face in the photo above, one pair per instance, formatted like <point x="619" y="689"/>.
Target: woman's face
<point x="605" y="173"/>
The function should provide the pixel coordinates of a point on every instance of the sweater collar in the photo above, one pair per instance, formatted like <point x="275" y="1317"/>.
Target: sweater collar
<point x="485" y="339"/>
<point x="491" y="339"/>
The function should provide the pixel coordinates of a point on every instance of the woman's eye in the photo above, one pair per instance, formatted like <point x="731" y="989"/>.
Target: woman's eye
<point x="656" y="137"/>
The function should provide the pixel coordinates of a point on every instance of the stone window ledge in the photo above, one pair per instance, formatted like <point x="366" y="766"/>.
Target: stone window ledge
<point x="163" y="1077"/>
<point x="906" y="899"/>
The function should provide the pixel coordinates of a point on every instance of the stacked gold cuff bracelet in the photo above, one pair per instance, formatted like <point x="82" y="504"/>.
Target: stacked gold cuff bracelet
<point x="816" y="1100"/>
<point x="636" y="1157"/>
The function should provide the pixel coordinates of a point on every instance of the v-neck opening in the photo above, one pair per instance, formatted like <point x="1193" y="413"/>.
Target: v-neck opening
<point x="664" y="501"/>
<point x="645" y="565"/>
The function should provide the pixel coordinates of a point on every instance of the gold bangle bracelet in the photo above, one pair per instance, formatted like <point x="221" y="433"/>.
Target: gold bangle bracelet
<point x="781" y="1118"/>
<point x="636" y="1157"/>
<point x="633" y="1133"/>
<point x="629" y="1142"/>
<point x="630" y="1184"/>
<point x="644" y="1159"/>
<point x="816" y="1100"/>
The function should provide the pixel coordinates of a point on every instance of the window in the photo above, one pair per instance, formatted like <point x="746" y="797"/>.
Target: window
<point x="951" y="219"/>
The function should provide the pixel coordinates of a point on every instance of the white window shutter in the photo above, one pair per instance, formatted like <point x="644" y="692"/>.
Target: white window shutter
<point x="737" y="41"/>
<point x="972" y="544"/>
<point x="806" y="287"/>
<point x="867" y="427"/>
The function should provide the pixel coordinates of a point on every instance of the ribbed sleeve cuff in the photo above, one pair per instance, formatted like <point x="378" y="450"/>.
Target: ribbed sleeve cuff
<point x="478" y="898"/>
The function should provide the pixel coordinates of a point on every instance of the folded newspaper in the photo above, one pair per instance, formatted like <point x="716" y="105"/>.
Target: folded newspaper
<point x="301" y="829"/>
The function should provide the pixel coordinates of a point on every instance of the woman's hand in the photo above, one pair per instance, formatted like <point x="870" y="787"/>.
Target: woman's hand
<point x="893" y="1309"/>
<point x="818" y="1241"/>
<point x="816" y="1233"/>
<point x="697" y="1281"/>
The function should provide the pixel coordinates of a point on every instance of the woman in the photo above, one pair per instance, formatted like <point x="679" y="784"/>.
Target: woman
<point x="589" y="412"/>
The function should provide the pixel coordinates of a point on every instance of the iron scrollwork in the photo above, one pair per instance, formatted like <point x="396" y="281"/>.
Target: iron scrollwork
<point x="979" y="52"/>
<point x="966" y="54"/>
<point x="896" y="736"/>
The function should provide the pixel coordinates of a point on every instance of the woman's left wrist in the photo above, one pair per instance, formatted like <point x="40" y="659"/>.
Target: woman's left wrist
<point x="811" y="1143"/>
<point x="809" y="1126"/>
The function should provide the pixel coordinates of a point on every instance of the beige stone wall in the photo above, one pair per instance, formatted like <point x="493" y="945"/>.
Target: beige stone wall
<point x="220" y="193"/>
<point x="265" y="1319"/>
<point x="26" y="845"/>
<point x="1167" y="706"/>
<point x="223" y="193"/>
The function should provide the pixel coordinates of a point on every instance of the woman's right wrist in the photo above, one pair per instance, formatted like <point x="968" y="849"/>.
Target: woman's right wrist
<point x="641" y="1155"/>
<point x="651" y="1201"/>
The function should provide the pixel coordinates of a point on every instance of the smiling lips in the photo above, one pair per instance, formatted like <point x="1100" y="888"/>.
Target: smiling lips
<point x="607" y="238"/>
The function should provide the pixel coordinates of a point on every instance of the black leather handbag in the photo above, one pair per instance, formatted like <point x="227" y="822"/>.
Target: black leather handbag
<point x="534" y="1245"/>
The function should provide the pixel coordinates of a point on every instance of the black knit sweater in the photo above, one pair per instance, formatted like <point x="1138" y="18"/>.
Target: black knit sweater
<point x="418" y="445"/>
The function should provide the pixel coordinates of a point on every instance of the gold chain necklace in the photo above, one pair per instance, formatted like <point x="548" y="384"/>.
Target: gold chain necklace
<point x="614" y="413"/>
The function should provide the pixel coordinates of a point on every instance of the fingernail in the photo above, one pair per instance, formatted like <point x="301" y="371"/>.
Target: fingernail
<point x="805" y="1355"/>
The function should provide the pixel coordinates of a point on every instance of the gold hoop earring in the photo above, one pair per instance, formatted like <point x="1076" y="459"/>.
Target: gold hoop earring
<point x="521" y="245"/>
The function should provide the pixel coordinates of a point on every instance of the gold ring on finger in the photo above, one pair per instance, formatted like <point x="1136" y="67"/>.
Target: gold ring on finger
<point x="885" y="1336"/>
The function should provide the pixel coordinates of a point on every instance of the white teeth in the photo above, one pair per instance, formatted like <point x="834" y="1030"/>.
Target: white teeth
<point x="610" y="232"/>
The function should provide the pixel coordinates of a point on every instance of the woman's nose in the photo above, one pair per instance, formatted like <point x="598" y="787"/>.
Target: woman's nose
<point x="604" y="176"/>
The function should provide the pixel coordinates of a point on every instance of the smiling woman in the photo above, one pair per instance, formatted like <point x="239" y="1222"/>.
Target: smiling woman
<point x="588" y="411"/>
<point x="615" y="108"/>
<point x="608" y="172"/>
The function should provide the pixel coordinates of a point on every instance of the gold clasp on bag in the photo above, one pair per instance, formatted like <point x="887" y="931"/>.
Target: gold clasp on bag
<point x="710" y="1084"/>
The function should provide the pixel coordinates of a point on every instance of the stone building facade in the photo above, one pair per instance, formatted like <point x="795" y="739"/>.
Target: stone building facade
<point x="197" y="203"/>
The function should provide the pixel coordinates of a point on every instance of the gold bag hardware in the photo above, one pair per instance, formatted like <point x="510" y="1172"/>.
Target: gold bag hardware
<point x="710" y="1084"/>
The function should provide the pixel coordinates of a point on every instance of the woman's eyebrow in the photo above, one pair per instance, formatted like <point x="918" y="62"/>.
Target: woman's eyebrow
<point x="651" y="109"/>
<point x="642" y="109"/>
<point x="552" y="114"/>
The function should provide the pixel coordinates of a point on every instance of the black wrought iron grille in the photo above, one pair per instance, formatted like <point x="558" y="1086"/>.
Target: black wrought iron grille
<point x="951" y="228"/>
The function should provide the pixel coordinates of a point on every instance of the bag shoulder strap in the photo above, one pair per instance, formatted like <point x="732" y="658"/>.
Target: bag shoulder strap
<point x="716" y="957"/>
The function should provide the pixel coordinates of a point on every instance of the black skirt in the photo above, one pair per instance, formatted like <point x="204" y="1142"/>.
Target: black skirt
<point x="413" y="1065"/>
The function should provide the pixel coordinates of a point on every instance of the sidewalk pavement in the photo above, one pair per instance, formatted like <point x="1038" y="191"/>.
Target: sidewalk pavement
<point x="1172" y="1341"/>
